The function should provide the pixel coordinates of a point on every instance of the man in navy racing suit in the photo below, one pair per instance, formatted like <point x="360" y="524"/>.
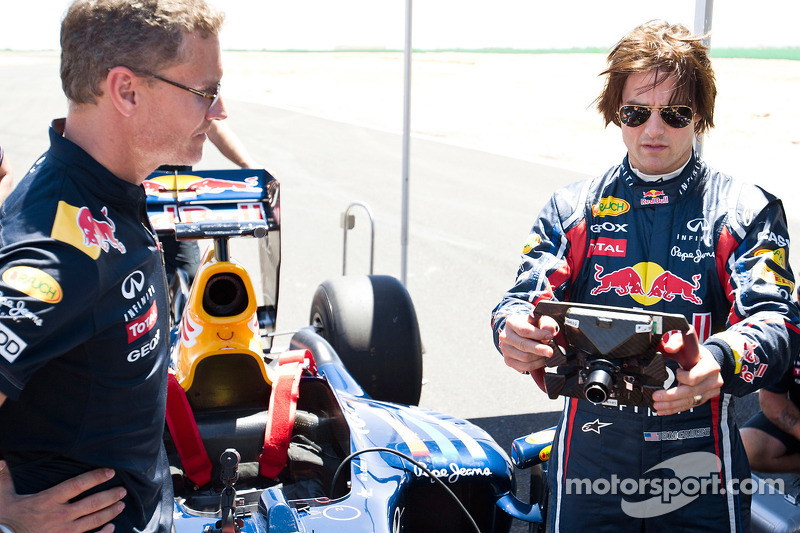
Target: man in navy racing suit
<point x="83" y="305"/>
<point x="664" y="232"/>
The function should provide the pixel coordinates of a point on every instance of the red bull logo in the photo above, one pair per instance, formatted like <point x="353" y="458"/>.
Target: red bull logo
<point x="98" y="232"/>
<point x="667" y="286"/>
<point x="198" y="185"/>
<point x="217" y="186"/>
<point x="654" y="197"/>
<point x="154" y="188"/>
<point x="646" y="283"/>
<point x="624" y="281"/>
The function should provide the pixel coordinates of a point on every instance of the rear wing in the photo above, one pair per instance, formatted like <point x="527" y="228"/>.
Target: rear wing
<point x="189" y="204"/>
<point x="208" y="204"/>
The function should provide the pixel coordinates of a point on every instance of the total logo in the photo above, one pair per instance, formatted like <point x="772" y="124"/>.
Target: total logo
<point x="647" y="283"/>
<point x="604" y="246"/>
<point x="143" y="324"/>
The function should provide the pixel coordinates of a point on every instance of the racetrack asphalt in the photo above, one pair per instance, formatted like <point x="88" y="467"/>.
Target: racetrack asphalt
<point x="493" y="136"/>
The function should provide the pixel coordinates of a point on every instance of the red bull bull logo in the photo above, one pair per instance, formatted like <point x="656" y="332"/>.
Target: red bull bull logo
<point x="218" y="186"/>
<point x="646" y="283"/>
<point x="154" y="188"/>
<point x="624" y="281"/>
<point x="194" y="184"/>
<point x="98" y="232"/>
<point x="667" y="286"/>
<point x="654" y="197"/>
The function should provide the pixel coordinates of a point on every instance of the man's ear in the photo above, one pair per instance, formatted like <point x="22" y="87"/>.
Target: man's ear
<point x="123" y="86"/>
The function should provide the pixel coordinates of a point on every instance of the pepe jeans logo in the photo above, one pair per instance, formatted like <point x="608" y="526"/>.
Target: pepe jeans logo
<point x="673" y="484"/>
<point x="454" y="472"/>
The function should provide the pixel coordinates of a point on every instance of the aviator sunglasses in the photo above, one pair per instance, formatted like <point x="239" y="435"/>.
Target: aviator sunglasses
<point x="675" y="116"/>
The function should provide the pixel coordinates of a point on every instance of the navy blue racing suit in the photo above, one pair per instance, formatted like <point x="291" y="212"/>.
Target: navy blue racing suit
<point x="83" y="335"/>
<point x="703" y="245"/>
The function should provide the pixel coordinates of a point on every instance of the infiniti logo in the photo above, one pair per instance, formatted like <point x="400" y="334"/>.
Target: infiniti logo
<point x="132" y="285"/>
<point x="701" y="226"/>
<point x="698" y="224"/>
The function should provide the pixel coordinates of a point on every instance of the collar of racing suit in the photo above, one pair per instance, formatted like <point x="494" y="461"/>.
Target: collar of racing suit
<point x="104" y="184"/>
<point x="651" y="194"/>
<point x="660" y="177"/>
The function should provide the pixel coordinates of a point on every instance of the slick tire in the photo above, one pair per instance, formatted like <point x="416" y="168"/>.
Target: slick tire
<point x="371" y="324"/>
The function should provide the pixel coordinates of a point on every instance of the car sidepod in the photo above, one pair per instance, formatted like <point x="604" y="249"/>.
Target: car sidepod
<point x="387" y="492"/>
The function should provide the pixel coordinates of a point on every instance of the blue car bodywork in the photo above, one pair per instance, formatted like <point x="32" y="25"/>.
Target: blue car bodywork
<point x="355" y="463"/>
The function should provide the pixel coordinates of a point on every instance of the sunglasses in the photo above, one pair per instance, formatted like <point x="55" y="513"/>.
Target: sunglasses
<point x="207" y="95"/>
<point x="212" y="96"/>
<point x="674" y="116"/>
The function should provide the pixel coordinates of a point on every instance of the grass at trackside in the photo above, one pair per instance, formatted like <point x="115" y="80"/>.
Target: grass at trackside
<point x="738" y="53"/>
<point x="742" y="53"/>
<point x="758" y="53"/>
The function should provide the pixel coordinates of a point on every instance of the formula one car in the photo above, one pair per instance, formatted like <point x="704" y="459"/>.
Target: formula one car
<point x="324" y="436"/>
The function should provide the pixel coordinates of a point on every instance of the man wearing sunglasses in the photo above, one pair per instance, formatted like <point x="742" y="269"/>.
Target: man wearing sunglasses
<point x="664" y="232"/>
<point x="83" y="304"/>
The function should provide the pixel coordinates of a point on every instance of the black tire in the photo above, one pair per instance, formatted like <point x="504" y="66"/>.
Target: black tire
<point x="371" y="324"/>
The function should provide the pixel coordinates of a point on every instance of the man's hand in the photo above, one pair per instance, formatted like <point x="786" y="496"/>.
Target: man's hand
<point x="696" y="386"/>
<point x="523" y="343"/>
<point x="50" y="510"/>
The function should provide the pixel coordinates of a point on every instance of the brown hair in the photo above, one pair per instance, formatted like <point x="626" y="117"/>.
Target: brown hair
<point x="143" y="35"/>
<point x="665" y="49"/>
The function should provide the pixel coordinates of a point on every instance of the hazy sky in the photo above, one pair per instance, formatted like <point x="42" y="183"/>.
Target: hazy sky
<point x="525" y="24"/>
